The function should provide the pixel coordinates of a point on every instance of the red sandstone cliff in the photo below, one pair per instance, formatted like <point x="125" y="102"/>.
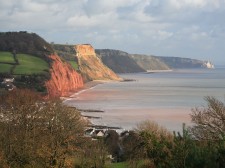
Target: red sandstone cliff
<point x="64" y="78"/>
<point x="90" y="66"/>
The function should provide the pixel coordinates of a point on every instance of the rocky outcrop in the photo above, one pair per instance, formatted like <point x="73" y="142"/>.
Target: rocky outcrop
<point x="90" y="66"/>
<point x="64" y="78"/>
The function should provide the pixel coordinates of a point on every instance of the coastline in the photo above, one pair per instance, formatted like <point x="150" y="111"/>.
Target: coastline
<point x="88" y="85"/>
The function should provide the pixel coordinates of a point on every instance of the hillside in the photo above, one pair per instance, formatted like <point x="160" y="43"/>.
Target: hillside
<point x="149" y="62"/>
<point x="31" y="61"/>
<point x="119" y="61"/>
<point x="122" y="62"/>
<point x="66" y="52"/>
<point x="179" y="63"/>
<point x="90" y="66"/>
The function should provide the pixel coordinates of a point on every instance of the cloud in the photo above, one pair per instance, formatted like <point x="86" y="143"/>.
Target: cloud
<point x="181" y="27"/>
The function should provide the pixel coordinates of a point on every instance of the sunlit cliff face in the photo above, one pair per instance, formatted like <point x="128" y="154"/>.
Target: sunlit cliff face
<point x="64" y="78"/>
<point x="90" y="66"/>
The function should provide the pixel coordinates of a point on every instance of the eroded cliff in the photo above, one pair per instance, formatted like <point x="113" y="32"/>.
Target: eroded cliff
<point x="90" y="66"/>
<point x="64" y="78"/>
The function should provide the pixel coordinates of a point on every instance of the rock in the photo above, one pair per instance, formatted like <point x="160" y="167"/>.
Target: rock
<point x="64" y="78"/>
<point x="90" y="66"/>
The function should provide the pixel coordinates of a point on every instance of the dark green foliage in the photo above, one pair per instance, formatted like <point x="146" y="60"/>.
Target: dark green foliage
<point x="67" y="52"/>
<point x="112" y="143"/>
<point x="119" y="61"/>
<point x="35" y="81"/>
<point x="27" y="43"/>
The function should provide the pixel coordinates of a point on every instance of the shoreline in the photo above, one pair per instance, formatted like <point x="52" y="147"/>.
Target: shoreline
<point x="87" y="86"/>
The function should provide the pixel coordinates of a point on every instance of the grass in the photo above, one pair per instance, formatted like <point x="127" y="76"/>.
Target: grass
<point x="119" y="165"/>
<point x="30" y="65"/>
<point x="5" y="68"/>
<point x="6" y="57"/>
<point x="74" y="65"/>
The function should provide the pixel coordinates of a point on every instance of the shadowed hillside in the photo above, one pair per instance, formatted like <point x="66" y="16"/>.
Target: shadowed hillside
<point x="119" y="61"/>
<point x="122" y="62"/>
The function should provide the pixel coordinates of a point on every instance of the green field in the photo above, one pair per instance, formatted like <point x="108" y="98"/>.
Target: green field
<point x="5" y="68"/>
<point x="74" y="65"/>
<point x="119" y="165"/>
<point x="6" y="57"/>
<point x="29" y="64"/>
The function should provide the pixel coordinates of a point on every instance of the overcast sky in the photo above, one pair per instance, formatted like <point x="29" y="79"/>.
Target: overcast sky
<point x="182" y="28"/>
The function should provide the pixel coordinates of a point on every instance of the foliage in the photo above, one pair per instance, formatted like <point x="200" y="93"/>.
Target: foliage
<point x="23" y="42"/>
<point x="157" y="142"/>
<point x="209" y="121"/>
<point x="93" y="154"/>
<point x="38" y="133"/>
<point x="131" y="143"/>
<point x="67" y="52"/>
<point x="111" y="140"/>
<point x="45" y="133"/>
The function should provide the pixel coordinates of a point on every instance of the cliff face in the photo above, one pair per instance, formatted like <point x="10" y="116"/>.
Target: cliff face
<point x="122" y="62"/>
<point x="90" y="66"/>
<point x="119" y="61"/>
<point x="64" y="78"/>
<point x="149" y="63"/>
<point x="179" y="63"/>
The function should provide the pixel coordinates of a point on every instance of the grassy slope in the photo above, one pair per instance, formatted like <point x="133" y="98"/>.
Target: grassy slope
<point x="30" y="65"/>
<point x="74" y="64"/>
<point x="5" y="68"/>
<point x="119" y="165"/>
<point x="6" y="57"/>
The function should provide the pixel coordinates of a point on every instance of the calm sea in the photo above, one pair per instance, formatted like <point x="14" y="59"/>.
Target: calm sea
<point x="164" y="97"/>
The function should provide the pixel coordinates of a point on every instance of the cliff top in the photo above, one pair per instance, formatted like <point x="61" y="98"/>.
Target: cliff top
<point x="84" y="50"/>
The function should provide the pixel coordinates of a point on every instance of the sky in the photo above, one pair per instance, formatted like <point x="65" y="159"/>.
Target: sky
<point x="181" y="28"/>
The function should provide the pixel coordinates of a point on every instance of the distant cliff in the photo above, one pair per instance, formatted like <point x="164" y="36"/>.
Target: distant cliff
<point x="122" y="62"/>
<point x="179" y="63"/>
<point x="90" y="66"/>
<point x="119" y="61"/>
<point x="149" y="62"/>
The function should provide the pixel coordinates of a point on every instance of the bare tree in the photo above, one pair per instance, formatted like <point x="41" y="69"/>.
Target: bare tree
<point x="209" y="121"/>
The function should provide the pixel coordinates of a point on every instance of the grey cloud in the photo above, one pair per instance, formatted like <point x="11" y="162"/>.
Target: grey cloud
<point x="193" y="28"/>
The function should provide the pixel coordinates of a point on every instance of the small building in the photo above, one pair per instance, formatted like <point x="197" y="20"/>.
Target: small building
<point x="8" y="80"/>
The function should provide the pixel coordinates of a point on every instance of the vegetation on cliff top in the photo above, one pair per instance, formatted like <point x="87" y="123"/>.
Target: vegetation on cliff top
<point x="67" y="52"/>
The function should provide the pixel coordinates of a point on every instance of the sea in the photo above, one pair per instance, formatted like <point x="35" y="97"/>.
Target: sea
<point x="165" y="97"/>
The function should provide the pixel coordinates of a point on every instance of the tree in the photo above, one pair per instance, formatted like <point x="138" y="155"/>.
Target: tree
<point x="157" y="143"/>
<point x="37" y="132"/>
<point x="112" y="143"/>
<point x="209" y="121"/>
